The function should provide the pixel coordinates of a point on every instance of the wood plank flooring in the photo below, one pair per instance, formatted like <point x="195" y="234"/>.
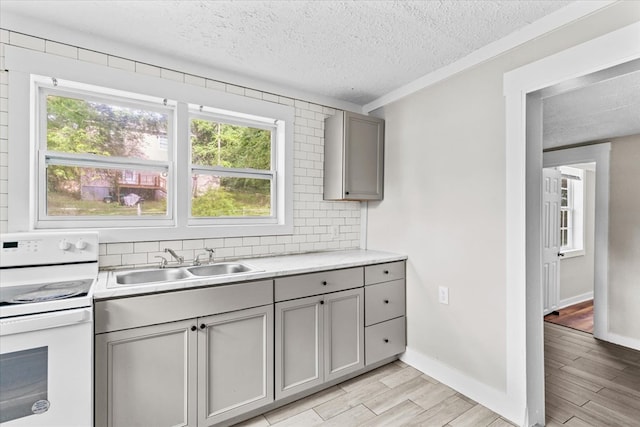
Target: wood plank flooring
<point x="589" y="382"/>
<point x="578" y="316"/>
<point x="395" y="394"/>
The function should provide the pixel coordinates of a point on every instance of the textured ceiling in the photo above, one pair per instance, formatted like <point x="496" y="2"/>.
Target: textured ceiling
<point x="606" y="109"/>
<point x="354" y="51"/>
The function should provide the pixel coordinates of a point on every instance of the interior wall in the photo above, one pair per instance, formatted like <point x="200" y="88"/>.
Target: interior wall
<point x="624" y="238"/>
<point x="445" y="208"/>
<point x="576" y="273"/>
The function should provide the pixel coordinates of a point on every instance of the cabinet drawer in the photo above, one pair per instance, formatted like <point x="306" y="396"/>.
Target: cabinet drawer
<point x="384" y="301"/>
<point x="144" y="310"/>
<point x="384" y="340"/>
<point x="305" y="285"/>
<point x="383" y="272"/>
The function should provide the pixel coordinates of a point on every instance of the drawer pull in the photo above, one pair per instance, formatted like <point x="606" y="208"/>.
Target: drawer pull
<point x="386" y="301"/>
<point x="386" y="340"/>
<point x="194" y="328"/>
<point x="203" y="326"/>
<point x="324" y="283"/>
<point x="386" y="272"/>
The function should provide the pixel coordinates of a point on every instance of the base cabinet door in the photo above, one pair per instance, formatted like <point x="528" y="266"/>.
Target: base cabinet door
<point x="299" y="342"/>
<point x="147" y="376"/>
<point x="318" y="339"/>
<point x="343" y="333"/>
<point x="235" y="363"/>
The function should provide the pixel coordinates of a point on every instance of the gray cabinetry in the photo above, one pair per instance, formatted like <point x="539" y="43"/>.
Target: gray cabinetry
<point x="353" y="157"/>
<point x="318" y="338"/>
<point x="235" y="363"/>
<point x="385" y="334"/>
<point x="198" y="371"/>
<point x="146" y="376"/>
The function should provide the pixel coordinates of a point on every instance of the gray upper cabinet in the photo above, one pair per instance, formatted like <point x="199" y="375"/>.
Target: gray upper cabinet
<point x="353" y="157"/>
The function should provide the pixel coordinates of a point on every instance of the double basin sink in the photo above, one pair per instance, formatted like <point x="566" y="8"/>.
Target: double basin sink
<point x="172" y="274"/>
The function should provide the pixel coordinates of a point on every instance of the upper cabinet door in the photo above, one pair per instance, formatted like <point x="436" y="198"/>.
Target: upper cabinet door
<point x="354" y="157"/>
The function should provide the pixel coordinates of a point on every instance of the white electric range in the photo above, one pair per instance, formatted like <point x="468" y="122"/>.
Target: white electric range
<point x="46" y="328"/>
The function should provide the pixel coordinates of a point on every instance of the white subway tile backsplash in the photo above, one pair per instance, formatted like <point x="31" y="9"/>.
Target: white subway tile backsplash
<point x="91" y="56"/>
<point x="121" y="63"/>
<point x="313" y="217"/>
<point x="29" y="42"/>
<point x="61" y="49"/>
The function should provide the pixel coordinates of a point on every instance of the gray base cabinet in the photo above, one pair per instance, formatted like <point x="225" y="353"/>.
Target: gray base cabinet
<point x="318" y="338"/>
<point x="209" y="356"/>
<point x="147" y="376"/>
<point x="195" y="372"/>
<point x="235" y="363"/>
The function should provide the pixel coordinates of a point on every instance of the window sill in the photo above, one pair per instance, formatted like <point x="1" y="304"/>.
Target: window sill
<point x="572" y="253"/>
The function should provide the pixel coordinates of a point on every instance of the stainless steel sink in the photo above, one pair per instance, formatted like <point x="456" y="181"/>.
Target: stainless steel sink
<point x="219" y="269"/>
<point x="151" y="276"/>
<point x="174" y="274"/>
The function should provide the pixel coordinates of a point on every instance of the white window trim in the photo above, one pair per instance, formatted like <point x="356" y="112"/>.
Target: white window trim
<point x="577" y="212"/>
<point x="23" y="157"/>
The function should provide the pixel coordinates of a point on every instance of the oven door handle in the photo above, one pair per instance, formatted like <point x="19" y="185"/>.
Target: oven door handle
<point x="38" y="322"/>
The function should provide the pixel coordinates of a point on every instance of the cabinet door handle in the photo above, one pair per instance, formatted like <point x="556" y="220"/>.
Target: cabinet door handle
<point x="324" y="283"/>
<point x="203" y="326"/>
<point x="386" y="340"/>
<point x="322" y="302"/>
<point x="386" y="272"/>
<point x="194" y="328"/>
<point x="386" y="301"/>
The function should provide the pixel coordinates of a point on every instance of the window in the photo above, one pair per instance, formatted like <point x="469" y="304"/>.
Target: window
<point x="231" y="166"/>
<point x="571" y="209"/>
<point x="143" y="158"/>
<point x="100" y="156"/>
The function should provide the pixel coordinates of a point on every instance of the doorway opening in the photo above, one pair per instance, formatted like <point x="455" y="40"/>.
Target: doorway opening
<point x="568" y="228"/>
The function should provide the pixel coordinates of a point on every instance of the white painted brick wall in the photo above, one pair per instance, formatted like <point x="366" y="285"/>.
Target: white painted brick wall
<point x="314" y="219"/>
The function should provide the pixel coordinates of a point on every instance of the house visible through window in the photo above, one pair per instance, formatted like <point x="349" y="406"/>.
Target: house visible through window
<point x="102" y="157"/>
<point x="572" y="209"/>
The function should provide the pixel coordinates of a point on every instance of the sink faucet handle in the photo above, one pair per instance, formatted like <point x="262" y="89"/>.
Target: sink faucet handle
<point x="211" y="252"/>
<point x="163" y="261"/>
<point x="177" y="257"/>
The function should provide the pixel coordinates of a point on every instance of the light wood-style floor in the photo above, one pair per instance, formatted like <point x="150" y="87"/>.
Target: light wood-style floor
<point x="392" y="395"/>
<point x="589" y="382"/>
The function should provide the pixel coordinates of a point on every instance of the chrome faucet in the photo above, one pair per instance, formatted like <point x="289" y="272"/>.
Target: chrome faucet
<point x="177" y="257"/>
<point x="209" y="253"/>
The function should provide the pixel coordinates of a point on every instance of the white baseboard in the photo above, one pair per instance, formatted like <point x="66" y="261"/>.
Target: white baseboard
<point x="622" y="340"/>
<point x="575" y="300"/>
<point x="496" y="400"/>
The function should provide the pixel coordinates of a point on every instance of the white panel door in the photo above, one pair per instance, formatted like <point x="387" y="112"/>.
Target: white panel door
<point x="551" y="179"/>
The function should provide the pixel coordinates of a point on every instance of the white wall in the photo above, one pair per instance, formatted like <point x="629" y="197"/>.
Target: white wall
<point x="445" y="208"/>
<point x="624" y="238"/>
<point x="576" y="273"/>
<point x="314" y="219"/>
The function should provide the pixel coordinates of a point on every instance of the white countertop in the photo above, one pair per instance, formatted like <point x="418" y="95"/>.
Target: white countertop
<point x="269" y="267"/>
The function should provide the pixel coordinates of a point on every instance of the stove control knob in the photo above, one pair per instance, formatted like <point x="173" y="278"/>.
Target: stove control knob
<point x="64" y="245"/>
<point x="81" y="244"/>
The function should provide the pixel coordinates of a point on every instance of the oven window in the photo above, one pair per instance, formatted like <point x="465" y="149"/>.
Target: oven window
<point x="23" y="383"/>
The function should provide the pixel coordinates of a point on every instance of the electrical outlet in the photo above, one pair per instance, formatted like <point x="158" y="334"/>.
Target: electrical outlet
<point x="334" y="231"/>
<point x="443" y="295"/>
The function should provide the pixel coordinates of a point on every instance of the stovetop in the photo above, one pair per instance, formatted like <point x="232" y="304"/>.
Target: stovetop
<point x="47" y="271"/>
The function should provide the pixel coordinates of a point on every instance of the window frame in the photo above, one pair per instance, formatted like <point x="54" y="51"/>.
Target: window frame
<point x="43" y="87"/>
<point x="213" y="114"/>
<point x="575" y="211"/>
<point x="24" y="157"/>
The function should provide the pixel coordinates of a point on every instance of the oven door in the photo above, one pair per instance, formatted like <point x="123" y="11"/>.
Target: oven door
<point x="46" y="369"/>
